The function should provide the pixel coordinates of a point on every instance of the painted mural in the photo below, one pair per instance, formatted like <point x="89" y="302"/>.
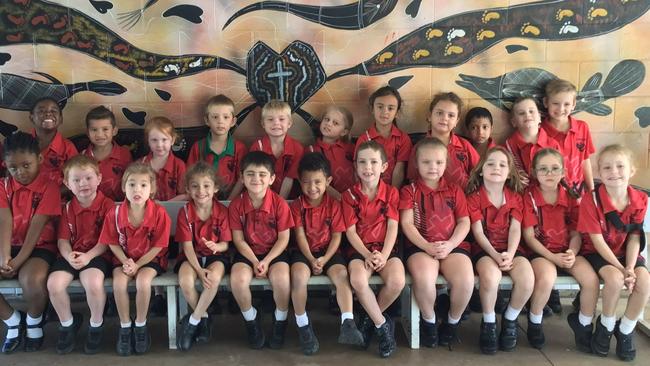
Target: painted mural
<point x="151" y="57"/>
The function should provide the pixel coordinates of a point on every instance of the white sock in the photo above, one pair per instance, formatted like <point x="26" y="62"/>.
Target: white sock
<point x="67" y="323"/>
<point x="302" y="320"/>
<point x="626" y="326"/>
<point x="380" y="324"/>
<point x="536" y="318"/>
<point x="34" y="332"/>
<point x="511" y="313"/>
<point x="126" y="325"/>
<point x="281" y="315"/>
<point x="250" y="314"/>
<point x="96" y="325"/>
<point x="489" y="317"/>
<point x="345" y="316"/>
<point x="443" y="291"/>
<point x="13" y="321"/>
<point x="193" y="320"/>
<point x="432" y="320"/>
<point x="138" y="324"/>
<point x="609" y="322"/>
<point x="451" y="320"/>
<point x="584" y="320"/>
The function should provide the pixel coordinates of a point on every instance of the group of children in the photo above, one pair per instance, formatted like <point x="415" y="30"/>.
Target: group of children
<point x="528" y="209"/>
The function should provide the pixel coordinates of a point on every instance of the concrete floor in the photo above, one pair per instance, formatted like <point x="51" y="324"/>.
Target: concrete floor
<point x="228" y="347"/>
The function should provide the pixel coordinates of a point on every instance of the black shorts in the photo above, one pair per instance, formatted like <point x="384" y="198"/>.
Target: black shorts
<point x="482" y="254"/>
<point x="153" y="265"/>
<point x="337" y="258"/>
<point x="598" y="262"/>
<point x="46" y="255"/>
<point x="282" y="258"/>
<point x="204" y="262"/>
<point x="98" y="262"/>
<point x="409" y="251"/>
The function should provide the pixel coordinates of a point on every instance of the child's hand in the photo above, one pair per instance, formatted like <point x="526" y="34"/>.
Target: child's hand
<point x="431" y="249"/>
<point x="5" y="269"/>
<point x="211" y="245"/>
<point x="261" y="269"/>
<point x="130" y="268"/>
<point x="442" y="249"/>
<point x="378" y="260"/>
<point x="568" y="259"/>
<point x="506" y="261"/>
<point x="79" y="260"/>
<point x="317" y="266"/>
<point x="206" y="279"/>
<point x="630" y="278"/>
<point x="369" y="262"/>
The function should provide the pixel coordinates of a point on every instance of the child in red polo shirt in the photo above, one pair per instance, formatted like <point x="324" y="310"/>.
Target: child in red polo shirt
<point x="47" y="117"/>
<point x="160" y="135"/>
<point x="319" y="224"/>
<point x="276" y="122"/>
<point x="495" y="207"/>
<point x="550" y="219"/>
<point x="260" y="221"/>
<point x="29" y="200"/>
<point x="611" y="217"/>
<point x="478" y="123"/>
<point x="572" y="134"/>
<point x="202" y="229"/>
<point x="435" y="220"/>
<point x="386" y="103"/>
<point x="137" y="232"/>
<point x="444" y="112"/>
<point x="371" y="218"/>
<point x="334" y="143"/>
<point x="112" y="158"/>
<point x="81" y="257"/>
<point x="220" y="148"/>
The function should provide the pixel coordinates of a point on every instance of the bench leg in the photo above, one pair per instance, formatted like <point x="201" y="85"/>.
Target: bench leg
<point x="411" y="317"/>
<point x="172" y="315"/>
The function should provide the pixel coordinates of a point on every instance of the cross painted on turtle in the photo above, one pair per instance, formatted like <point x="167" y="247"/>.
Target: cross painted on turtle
<point x="280" y="75"/>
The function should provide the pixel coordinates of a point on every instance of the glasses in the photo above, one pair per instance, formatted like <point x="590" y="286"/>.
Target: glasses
<point x="552" y="171"/>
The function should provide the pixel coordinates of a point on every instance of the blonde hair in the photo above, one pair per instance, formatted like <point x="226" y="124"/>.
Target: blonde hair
<point x="616" y="149"/>
<point x="162" y="124"/>
<point x="430" y="142"/>
<point x="276" y="105"/>
<point x="79" y="161"/>
<point x="348" y="119"/>
<point x="476" y="176"/>
<point x="143" y="169"/>
<point x="219" y="100"/>
<point x="557" y="86"/>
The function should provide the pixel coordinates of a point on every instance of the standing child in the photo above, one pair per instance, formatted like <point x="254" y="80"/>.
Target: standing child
<point x="29" y="201"/>
<point x="572" y="134"/>
<point x="444" y="112"/>
<point x="371" y="217"/>
<point x="612" y="218"/>
<point x="385" y="103"/>
<point x="137" y="232"/>
<point x="319" y="224"/>
<point x="334" y="143"/>
<point x="160" y="135"/>
<point x="203" y="231"/>
<point x="260" y="221"/>
<point x="550" y="220"/>
<point x="219" y="148"/>
<point x="47" y="117"/>
<point x="435" y="220"/>
<point x="276" y="122"/>
<point x="495" y="206"/>
<point x="112" y="158"/>
<point x="478" y="122"/>
<point x="81" y="256"/>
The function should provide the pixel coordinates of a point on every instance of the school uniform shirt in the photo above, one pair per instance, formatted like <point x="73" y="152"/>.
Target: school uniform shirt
<point x="592" y="219"/>
<point x="169" y="179"/>
<point x="397" y="145"/>
<point x="55" y="155"/>
<point x="461" y="159"/>
<point x="435" y="211"/>
<point x="523" y="152"/>
<point x="260" y="226"/>
<point x="318" y="222"/>
<point x="82" y="225"/>
<point x="137" y="241"/>
<point x="286" y="165"/>
<point x="553" y="222"/>
<point x="226" y="163"/>
<point x="576" y="146"/>
<point x="190" y="227"/>
<point x="40" y="197"/>
<point x="370" y="216"/>
<point x="112" y="168"/>
<point x="496" y="221"/>
<point x="341" y="157"/>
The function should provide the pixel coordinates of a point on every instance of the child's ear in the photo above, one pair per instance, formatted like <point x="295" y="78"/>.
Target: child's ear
<point x="329" y="180"/>
<point x="384" y="166"/>
<point x="545" y="102"/>
<point x="99" y="178"/>
<point x="40" y="159"/>
<point x="632" y="171"/>
<point x="115" y="130"/>
<point x="234" y="121"/>
<point x="345" y="132"/>
<point x="272" y="179"/>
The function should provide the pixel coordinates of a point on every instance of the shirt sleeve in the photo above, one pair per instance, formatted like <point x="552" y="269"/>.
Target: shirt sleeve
<point x="295" y="161"/>
<point x="4" y="201"/>
<point x="406" y="197"/>
<point x="589" y="145"/>
<point x="109" y="235"/>
<point x="517" y="207"/>
<point x="64" y="228"/>
<point x="163" y="228"/>
<point x="193" y="157"/>
<point x="284" y="219"/>
<point x="411" y="168"/>
<point x="393" y="204"/>
<point x="530" y="217"/>
<point x="224" y="224"/>
<point x="473" y="155"/>
<point x="50" y="204"/>
<point x="460" y="210"/>
<point x="234" y="215"/>
<point x="588" y="217"/>
<point x="347" y="207"/>
<point x="183" y="232"/>
<point x="338" y="225"/>
<point x="295" y="212"/>
<point x="404" y="148"/>
<point x="474" y="207"/>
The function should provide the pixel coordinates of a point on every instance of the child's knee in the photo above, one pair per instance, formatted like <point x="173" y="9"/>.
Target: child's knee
<point x="642" y="285"/>
<point x="395" y="283"/>
<point x="142" y="283"/>
<point x="614" y="279"/>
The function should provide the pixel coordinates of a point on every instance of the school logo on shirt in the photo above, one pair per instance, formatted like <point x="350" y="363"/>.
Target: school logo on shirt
<point x="216" y="230"/>
<point x="118" y="170"/>
<point x="172" y="184"/>
<point x="287" y="162"/>
<point x="231" y="165"/>
<point x="580" y="145"/>
<point x="461" y="156"/>
<point x="383" y="210"/>
<point x="349" y="156"/>
<point x="36" y="199"/>
<point x="55" y="161"/>
<point x="273" y="223"/>
<point x="328" y="221"/>
<point x="450" y="203"/>
<point x="150" y="236"/>
<point x="99" y="222"/>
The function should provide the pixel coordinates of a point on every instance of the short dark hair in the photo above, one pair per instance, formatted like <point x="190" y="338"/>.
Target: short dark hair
<point x="374" y="146"/>
<point x="21" y="142"/>
<point x="259" y="158"/>
<point x="478" y="112"/>
<point x="43" y="99"/>
<point x="314" y="162"/>
<point x="100" y="112"/>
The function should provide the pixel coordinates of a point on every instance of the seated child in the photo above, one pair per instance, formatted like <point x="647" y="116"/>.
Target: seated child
<point x="160" y="135"/>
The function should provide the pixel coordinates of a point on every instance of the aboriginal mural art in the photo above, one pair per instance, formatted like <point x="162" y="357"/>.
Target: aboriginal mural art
<point x="151" y="57"/>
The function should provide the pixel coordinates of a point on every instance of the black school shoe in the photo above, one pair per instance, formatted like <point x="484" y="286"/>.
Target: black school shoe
<point x="367" y="328"/>
<point x="142" y="339"/>
<point x="428" y="334"/>
<point x="204" y="333"/>
<point x="93" y="339"/>
<point x="308" y="341"/>
<point x="600" y="340"/>
<point x="256" y="337"/>
<point x="34" y="344"/>
<point x="385" y="334"/>
<point x="277" y="333"/>
<point x="124" y="346"/>
<point x="625" y="349"/>
<point x="68" y="335"/>
<point x="12" y="344"/>
<point x="488" y="338"/>
<point x="448" y="334"/>
<point x="508" y="336"/>
<point x="582" y="333"/>
<point x="187" y="334"/>
<point x="535" y="334"/>
<point x="554" y="302"/>
<point x="349" y="334"/>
